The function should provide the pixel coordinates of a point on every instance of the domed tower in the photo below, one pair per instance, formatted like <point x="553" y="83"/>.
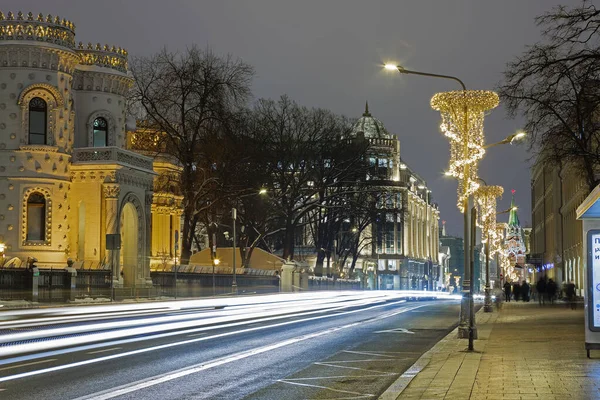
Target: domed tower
<point x="384" y="148"/>
<point x="100" y="85"/>
<point x="37" y="63"/>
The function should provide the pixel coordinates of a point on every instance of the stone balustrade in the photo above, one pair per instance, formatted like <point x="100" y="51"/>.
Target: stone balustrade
<point x="111" y="155"/>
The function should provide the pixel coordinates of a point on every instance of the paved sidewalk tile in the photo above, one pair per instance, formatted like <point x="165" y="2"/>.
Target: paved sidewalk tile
<point x="524" y="351"/>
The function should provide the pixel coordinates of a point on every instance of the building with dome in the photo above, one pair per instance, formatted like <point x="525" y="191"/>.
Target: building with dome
<point x="514" y="245"/>
<point x="69" y="188"/>
<point x="404" y="237"/>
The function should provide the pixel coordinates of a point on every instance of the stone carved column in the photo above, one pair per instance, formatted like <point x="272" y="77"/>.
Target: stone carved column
<point x="111" y="200"/>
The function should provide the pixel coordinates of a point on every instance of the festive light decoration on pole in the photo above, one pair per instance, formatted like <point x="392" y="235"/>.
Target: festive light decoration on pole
<point x="462" y="113"/>
<point x="486" y="200"/>
<point x="498" y="239"/>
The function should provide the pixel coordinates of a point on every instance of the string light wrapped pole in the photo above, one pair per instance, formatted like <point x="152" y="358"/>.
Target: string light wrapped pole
<point x="496" y="248"/>
<point x="486" y="197"/>
<point x="462" y="114"/>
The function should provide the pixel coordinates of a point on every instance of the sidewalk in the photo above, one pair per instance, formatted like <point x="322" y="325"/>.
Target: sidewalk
<point x="524" y="351"/>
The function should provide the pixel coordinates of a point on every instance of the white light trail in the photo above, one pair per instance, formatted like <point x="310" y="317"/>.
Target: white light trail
<point x="189" y="341"/>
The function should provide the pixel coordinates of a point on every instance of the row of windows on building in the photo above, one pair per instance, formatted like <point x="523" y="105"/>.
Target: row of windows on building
<point x="38" y="125"/>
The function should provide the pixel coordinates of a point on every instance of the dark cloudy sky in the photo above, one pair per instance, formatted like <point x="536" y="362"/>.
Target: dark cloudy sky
<point x="328" y="53"/>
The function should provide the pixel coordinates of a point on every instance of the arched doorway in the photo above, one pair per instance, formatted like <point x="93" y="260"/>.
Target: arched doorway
<point x="129" y="243"/>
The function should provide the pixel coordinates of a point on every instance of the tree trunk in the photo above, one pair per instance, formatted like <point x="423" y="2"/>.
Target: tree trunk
<point x="590" y="175"/>
<point x="319" y="263"/>
<point x="288" y="242"/>
<point x="187" y="236"/>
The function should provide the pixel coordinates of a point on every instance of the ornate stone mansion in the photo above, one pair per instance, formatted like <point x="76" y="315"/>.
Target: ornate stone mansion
<point x="66" y="178"/>
<point x="405" y="238"/>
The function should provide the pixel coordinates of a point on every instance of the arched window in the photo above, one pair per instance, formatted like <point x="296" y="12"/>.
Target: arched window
<point x="36" y="216"/>
<point x="100" y="132"/>
<point x="37" y="121"/>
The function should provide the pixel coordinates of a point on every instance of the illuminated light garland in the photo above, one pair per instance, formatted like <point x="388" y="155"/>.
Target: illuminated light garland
<point x="498" y="239"/>
<point x="462" y="113"/>
<point x="485" y="197"/>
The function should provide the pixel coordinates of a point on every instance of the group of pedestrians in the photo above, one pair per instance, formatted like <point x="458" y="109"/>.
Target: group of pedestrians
<point x="517" y="291"/>
<point x="544" y="290"/>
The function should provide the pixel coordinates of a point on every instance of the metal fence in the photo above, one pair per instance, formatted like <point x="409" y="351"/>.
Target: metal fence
<point x="198" y="285"/>
<point x="54" y="285"/>
<point x="95" y="285"/>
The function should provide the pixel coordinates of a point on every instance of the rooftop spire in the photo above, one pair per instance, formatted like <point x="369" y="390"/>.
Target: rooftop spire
<point x="366" y="113"/>
<point x="513" y="219"/>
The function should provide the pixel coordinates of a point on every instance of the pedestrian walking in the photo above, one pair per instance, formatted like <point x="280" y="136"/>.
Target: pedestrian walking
<point x="506" y="291"/>
<point x="525" y="291"/>
<point x="551" y="290"/>
<point x="516" y="291"/>
<point x="540" y="287"/>
<point x="570" y="291"/>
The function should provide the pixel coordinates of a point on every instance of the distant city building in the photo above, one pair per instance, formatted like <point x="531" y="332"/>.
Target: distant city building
<point x="403" y="245"/>
<point x="514" y="245"/>
<point x="556" y="235"/>
<point x="456" y="266"/>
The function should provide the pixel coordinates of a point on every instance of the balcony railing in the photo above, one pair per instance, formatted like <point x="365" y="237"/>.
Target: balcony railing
<point x="111" y="155"/>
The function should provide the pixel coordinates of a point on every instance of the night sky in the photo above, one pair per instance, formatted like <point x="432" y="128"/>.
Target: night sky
<point x="330" y="53"/>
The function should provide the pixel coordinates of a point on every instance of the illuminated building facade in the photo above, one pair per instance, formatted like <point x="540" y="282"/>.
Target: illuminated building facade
<point x="66" y="178"/>
<point x="404" y="237"/>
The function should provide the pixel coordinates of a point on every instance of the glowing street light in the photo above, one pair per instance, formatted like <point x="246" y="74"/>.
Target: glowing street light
<point x="216" y="262"/>
<point x="510" y="139"/>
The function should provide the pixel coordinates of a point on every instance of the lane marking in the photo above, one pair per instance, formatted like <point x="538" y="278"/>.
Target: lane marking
<point x="179" y="333"/>
<point x="197" y="334"/>
<point x="28" y="364"/>
<point x="367" y="353"/>
<point x="335" y="376"/>
<point x="145" y="383"/>
<point x="325" y="387"/>
<point x="102" y="351"/>
<point x="189" y="341"/>
<point x="396" y="330"/>
<point x="385" y="373"/>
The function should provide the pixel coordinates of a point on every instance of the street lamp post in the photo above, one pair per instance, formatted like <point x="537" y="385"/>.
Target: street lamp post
<point x="234" y="283"/>
<point x="262" y="191"/>
<point x="465" y="131"/>
<point x="216" y="262"/>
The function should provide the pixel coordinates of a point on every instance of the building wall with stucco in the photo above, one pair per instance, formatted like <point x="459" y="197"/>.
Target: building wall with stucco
<point x="62" y="191"/>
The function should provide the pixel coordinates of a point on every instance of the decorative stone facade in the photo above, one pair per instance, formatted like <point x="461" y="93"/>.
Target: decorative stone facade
<point x="66" y="177"/>
<point x="405" y="245"/>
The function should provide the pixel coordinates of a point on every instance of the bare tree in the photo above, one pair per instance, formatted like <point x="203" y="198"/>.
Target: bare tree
<point x="309" y="156"/>
<point x="555" y="85"/>
<point x="188" y="98"/>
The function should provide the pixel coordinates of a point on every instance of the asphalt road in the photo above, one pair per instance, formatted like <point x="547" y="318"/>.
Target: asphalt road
<point x="353" y="351"/>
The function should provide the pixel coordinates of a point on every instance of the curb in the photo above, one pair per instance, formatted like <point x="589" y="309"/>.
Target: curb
<point x="396" y="389"/>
